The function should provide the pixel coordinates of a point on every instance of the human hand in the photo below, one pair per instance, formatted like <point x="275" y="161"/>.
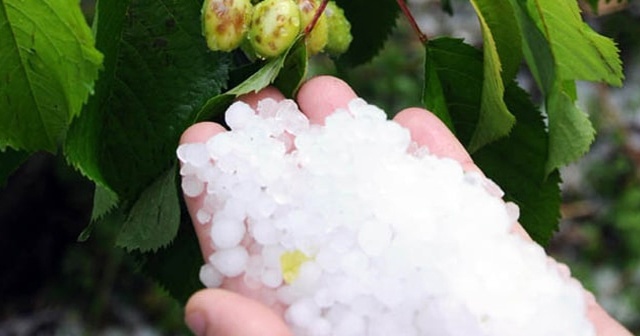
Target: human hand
<point x="222" y="312"/>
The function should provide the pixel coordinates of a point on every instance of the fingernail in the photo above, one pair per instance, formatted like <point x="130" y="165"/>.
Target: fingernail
<point x="196" y="322"/>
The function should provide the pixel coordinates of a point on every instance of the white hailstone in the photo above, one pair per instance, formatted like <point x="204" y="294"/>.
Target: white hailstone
<point x="271" y="277"/>
<point x="188" y="169"/>
<point x="230" y="262"/>
<point x="287" y="294"/>
<point x="191" y="186"/>
<point x="319" y="327"/>
<point x="327" y="259"/>
<point x="220" y="145"/>
<point x="324" y="298"/>
<point x="210" y="276"/>
<point x="227" y="232"/>
<point x="262" y="206"/>
<point x="203" y="216"/>
<point x="302" y="313"/>
<point x="354" y="262"/>
<point x="350" y="324"/>
<point x="292" y="120"/>
<point x="238" y="115"/>
<point x="360" y="109"/>
<point x="308" y="277"/>
<point x="268" y="108"/>
<point x="355" y="230"/>
<point x="271" y="255"/>
<point x="264" y="232"/>
<point x="513" y="211"/>
<point x="198" y="155"/>
<point x="374" y="237"/>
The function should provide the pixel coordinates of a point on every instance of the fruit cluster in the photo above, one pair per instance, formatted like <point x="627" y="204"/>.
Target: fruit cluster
<point x="269" y="27"/>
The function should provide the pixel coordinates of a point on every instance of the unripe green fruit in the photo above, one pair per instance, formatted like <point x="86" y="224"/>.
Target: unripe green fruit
<point x="275" y="24"/>
<point x="339" y="30"/>
<point x="225" y="23"/>
<point x="317" y="39"/>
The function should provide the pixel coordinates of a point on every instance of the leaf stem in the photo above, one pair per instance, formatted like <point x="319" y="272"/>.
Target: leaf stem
<point x="407" y="13"/>
<point x="316" y="17"/>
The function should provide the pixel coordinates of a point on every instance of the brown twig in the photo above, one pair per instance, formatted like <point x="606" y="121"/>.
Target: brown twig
<point x="316" y="17"/>
<point x="407" y="13"/>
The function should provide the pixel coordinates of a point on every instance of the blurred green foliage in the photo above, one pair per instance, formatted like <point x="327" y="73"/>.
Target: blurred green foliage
<point x="606" y="238"/>
<point x="600" y="239"/>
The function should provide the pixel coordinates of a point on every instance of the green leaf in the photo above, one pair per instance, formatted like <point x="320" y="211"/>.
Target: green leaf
<point x="10" y="160"/>
<point x="176" y="267"/>
<point x="87" y="134"/>
<point x="433" y="96"/>
<point x="155" y="217"/>
<point x="536" y="49"/>
<point x="371" y="24"/>
<point x="48" y="64"/>
<point x="215" y="107"/>
<point x="104" y="200"/>
<point x="501" y="32"/>
<point x="459" y="73"/>
<point x="518" y="164"/>
<point x="570" y="131"/>
<point x="262" y="78"/>
<point x="580" y="53"/>
<point x="293" y="70"/>
<point x="158" y="75"/>
<point x="498" y="28"/>
<point x="285" y="71"/>
<point x="293" y="62"/>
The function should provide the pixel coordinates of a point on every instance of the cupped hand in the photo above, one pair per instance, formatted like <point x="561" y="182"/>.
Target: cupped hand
<point x="225" y="312"/>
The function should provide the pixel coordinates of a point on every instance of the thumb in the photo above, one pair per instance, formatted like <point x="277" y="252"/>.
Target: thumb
<point x="219" y="312"/>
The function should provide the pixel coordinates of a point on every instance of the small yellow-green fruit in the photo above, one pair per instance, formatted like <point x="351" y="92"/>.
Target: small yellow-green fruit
<point x="275" y="24"/>
<point x="317" y="39"/>
<point x="339" y="30"/>
<point x="225" y="23"/>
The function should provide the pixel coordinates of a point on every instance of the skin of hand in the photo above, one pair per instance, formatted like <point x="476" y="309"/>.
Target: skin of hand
<point x="222" y="312"/>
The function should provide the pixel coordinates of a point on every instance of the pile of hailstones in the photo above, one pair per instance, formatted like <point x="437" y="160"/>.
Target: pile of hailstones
<point x="354" y="230"/>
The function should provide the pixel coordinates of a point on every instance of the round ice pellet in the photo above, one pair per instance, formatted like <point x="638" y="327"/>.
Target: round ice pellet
<point x="191" y="186"/>
<point x="271" y="277"/>
<point x="230" y="262"/>
<point x="302" y="313"/>
<point x="238" y="115"/>
<point x="210" y="276"/>
<point x="226" y="232"/>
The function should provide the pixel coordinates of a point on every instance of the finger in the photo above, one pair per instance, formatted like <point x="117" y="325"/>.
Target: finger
<point x="427" y="130"/>
<point x="254" y="97"/>
<point x="219" y="312"/>
<point x="604" y="324"/>
<point x="200" y="133"/>
<point x="320" y="96"/>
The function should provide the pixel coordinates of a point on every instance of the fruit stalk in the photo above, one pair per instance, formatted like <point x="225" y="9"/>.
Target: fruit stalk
<point x="316" y="17"/>
<point x="407" y="13"/>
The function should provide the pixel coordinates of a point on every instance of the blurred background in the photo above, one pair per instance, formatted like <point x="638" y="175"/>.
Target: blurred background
<point x="50" y="284"/>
